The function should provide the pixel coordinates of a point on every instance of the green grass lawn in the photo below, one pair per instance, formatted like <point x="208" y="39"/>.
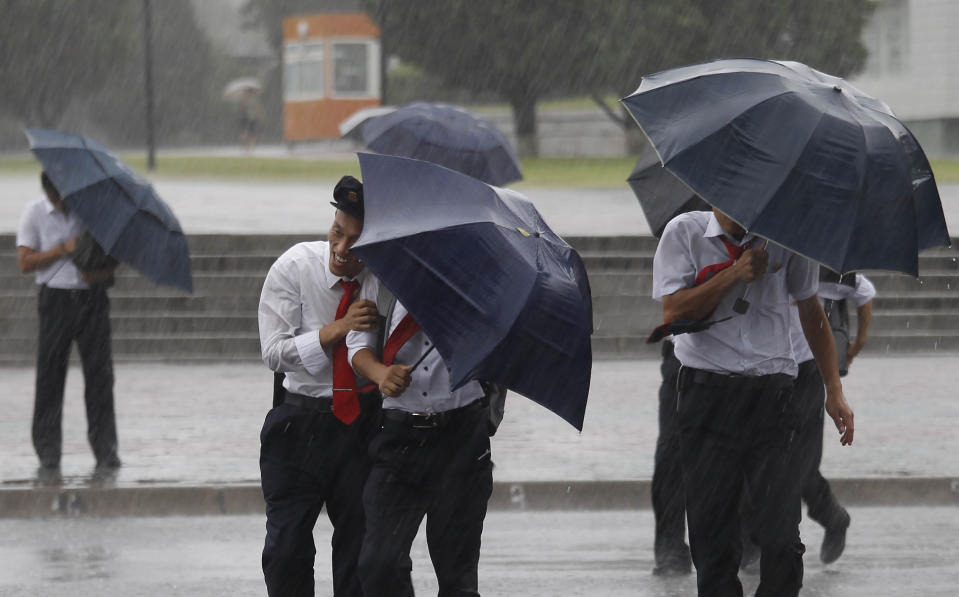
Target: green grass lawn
<point x="538" y="172"/>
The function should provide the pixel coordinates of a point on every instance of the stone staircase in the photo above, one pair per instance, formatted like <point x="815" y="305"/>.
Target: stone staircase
<point x="218" y="321"/>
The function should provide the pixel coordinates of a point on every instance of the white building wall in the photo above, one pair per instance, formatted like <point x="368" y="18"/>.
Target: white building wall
<point x="914" y="67"/>
<point x="927" y="84"/>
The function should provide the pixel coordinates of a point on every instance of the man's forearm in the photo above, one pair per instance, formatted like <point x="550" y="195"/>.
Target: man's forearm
<point x="30" y="260"/>
<point x="332" y="333"/>
<point x="864" y="316"/>
<point x="819" y="337"/>
<point x="366" y="365"/>
<point x="698" y="302"/>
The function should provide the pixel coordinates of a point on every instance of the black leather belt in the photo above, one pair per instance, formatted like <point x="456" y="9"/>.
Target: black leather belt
<point x="430" y="420"/>
<point x="323" y="404"/>
<point x="727" y="380"/>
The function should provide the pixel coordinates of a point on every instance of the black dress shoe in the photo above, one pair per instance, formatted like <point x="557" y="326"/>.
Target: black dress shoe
<point x="677" y="563"/>
<point x="49" y="475"/>
<point x="673" y="569"/>
<point x="834" y="542"/>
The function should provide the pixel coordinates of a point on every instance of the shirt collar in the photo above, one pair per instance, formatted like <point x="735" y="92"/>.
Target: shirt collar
<point x="714" y="229"/>
<point x="331" y="278"/>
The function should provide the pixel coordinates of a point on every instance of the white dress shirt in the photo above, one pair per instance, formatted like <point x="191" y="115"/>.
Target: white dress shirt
<point x="860" y="294"/>
<point x="429" y="389"/>
<point x="756" y="343"/>
<point x="43" y="227"/>
<point x="300" y="295"/>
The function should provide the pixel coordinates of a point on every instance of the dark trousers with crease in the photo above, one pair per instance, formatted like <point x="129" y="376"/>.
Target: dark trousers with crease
<point x="821" y="504"/>
<point x="668" y="495"/>
<point x="736" y="433"/>
<point x="309" y="459"/>
<point x="444" y="474"/>
<point x="65" y="317"/>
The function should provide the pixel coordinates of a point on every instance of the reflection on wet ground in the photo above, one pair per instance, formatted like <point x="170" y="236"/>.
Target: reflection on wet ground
<point x="68" y="564"/>
<point x="896" y="551"/>
<point x="178" y="439"/>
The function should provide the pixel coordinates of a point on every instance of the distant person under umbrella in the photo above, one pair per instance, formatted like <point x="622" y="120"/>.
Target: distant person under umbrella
<point x="72" y="306"/>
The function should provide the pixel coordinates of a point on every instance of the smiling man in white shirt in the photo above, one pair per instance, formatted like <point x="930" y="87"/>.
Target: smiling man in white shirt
<point x="314" y="441"/>
<point x="737" y="417"/>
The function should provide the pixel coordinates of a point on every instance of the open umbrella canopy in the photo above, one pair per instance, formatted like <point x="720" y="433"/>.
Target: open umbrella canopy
<point x="445" y="135"/>
<point x="500" y="294"/>
<point x="797" y="156"/>
<point x="661" y="195"/>
<point x="119" y="208"/>
<point x="242" y="89"/>
<point x="352" y="126"/>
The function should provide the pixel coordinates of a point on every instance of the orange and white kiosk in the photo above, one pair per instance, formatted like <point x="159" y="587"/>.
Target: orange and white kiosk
<point x="331" y="68"/>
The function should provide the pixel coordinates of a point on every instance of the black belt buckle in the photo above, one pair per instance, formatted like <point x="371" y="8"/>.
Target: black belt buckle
<point x="425" y="420"/>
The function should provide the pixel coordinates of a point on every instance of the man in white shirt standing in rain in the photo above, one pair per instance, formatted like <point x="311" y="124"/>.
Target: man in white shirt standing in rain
<point x="737" y="417"/>
<point x="72" y="306"/>
<point x="314" y="442"/>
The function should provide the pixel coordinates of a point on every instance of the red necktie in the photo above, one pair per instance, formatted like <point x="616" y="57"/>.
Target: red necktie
<point x="735" y="252"/>
<point x="403" y="332"/>
<point x="346" y="404"/>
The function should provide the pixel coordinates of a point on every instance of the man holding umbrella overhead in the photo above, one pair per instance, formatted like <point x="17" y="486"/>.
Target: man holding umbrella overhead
<point x="431" y="457"/>
<point x="72" y="306"/>
<point x="737" y="416"/>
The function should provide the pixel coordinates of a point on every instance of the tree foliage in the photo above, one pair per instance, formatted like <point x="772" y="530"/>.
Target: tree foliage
<point x="53" y="52"/>
<point x="79" y="65"/>
<point x="525" y="50"/>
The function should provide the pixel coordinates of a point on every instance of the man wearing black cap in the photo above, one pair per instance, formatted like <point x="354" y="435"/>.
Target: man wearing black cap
<point x="314" y="441"/>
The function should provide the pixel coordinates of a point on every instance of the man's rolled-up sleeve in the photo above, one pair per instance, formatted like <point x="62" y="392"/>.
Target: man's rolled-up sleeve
<point x="284" y="346"/>
<point x="865" y="290"/>
<point x="673" y="268"/>
<point x="802" y="277"/>
<point x="357" y="341"/>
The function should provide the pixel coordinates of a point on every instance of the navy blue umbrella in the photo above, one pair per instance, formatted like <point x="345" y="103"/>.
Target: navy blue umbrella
<point x="445" y="135"/>
<point x="501" y="295"/>
<point x="797" y="156"/>
<point x="661" y="195"/>
<point x="119" y="208"/>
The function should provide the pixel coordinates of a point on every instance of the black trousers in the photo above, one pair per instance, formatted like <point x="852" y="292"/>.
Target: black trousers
<point x="443" y="473"/>
<point x="309" y="459"/>
<point x="736" y="433"/>
<point x="66" y="316"/>
<point x="821" y="504"/>
<point x="668" y="495"/>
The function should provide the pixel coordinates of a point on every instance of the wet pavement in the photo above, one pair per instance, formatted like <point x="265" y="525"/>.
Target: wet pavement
<point x="278" y="207"/>
<point x="892" y="552"/>
<point x="191" y="424"/>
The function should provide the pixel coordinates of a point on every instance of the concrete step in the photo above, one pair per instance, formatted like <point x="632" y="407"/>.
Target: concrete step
<point x="178" y="347"/>
<point x="123" y="302"/>
<point x="204" y="283"/>
<point x="199" y="322"/>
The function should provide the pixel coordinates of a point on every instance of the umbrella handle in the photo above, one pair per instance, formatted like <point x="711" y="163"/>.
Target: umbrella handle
<point x="423" y="356"/>
<point x="742" y="305"/>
